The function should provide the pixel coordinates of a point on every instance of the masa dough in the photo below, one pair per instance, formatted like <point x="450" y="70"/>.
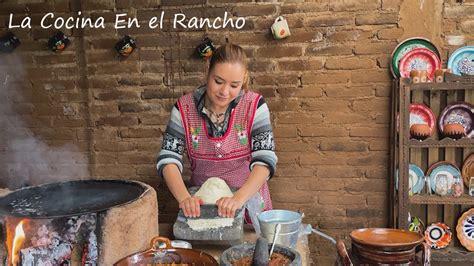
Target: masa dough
<point x="206" y="224"/>
<point x="213" y="189"/>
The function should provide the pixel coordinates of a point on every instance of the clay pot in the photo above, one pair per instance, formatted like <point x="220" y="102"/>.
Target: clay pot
<point x="420" y="131"/>
<point x="454" y="131"/>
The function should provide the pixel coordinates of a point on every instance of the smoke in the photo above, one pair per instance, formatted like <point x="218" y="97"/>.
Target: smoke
<point x="25" y="157"/>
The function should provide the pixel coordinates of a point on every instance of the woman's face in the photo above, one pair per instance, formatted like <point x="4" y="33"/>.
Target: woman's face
<point x="224" y="83"/>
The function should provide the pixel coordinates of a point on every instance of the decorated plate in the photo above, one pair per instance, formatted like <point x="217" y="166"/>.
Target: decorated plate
<point x="462" y="61"/>
<point x="422" y="114"/>
<point x="419" y="59"/>
<point x="468" y="169"/>
<point x="405" y="47"/>
<point x="438" y="185"/>
<point x="462" y="113"/>
<point x="416" y="179"/>
<point x="465" y="229"/>
<point x="438" y="235"/>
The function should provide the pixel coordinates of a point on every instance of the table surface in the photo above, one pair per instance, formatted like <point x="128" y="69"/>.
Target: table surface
<point x="166" y="230"/>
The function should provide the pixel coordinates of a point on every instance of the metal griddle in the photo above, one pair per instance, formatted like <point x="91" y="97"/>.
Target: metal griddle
<point x="69" y="198"/>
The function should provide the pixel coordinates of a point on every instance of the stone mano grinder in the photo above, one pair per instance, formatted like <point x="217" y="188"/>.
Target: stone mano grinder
<point x="211" y="228"/>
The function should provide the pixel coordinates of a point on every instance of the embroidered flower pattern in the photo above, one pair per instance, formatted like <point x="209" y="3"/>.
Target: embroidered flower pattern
<point x="242" y="134"/>
<point x="195" y="136"/>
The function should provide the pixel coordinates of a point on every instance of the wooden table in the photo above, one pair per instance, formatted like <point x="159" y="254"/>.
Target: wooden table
<point x="166" y="230"/>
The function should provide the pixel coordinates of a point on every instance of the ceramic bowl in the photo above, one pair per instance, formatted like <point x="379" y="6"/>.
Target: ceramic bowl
<point x="420" y="131"/>
<point x="454" y="131"/>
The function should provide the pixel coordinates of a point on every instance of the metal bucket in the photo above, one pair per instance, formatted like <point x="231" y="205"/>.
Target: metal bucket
<point x="290" y="223"/>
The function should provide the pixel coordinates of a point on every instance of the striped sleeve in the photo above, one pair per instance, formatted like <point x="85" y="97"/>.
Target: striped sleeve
<point x="263" y="145"/>
<point x="172" y="147"/>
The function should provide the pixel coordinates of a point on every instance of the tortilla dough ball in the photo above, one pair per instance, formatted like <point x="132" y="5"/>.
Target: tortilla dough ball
<point x="213" y="189"/>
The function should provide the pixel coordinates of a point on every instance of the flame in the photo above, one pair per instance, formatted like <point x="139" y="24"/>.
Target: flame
<point x="17" y="242"/>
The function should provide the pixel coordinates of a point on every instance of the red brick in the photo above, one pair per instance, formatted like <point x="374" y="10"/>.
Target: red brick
<point x="349" y="63"/>
<point x="371" y="76"/>
<point x="304" y="118"/>
<point x="284" y="131"/>
<point x="338" y="199"/>
<point x="279" y="51"/>
<point x="333" y="184"/>
<point x="325" y="78"/>
<point x="377" y="19"/>
<point x="117" y="121"/>
<point x="343" y="146"/>
<point x="374" y="48"/>
<point x="295" y="146"/>
<point x="328" y="48"/>
<point x="374" y="104"/>
<point x="338" y="171"/>
<point x="140" y="133"/>
<point x="374" y="132"/>
<point x="253" y="10"/>
<point x="348" y="92"/>
<point x="305" y="92"/>
<point x="300" y="65"/>
<point x="114" y="171"/>
<point x="354" y="5"/>
<point x="390" y="33"/>
<point x="329" y="20"/>
<point x="374" y="158"/>
<point x="136" y="158"/>
<point x="372" y="185"/>
<point x="319" y="131"/>
<point x="114" y="146"/>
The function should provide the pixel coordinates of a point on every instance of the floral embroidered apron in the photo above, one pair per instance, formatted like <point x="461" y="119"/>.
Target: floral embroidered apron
<point x="227" y="157"/>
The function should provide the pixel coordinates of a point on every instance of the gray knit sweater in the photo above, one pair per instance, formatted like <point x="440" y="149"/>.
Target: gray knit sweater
<point x="263" y="147"/>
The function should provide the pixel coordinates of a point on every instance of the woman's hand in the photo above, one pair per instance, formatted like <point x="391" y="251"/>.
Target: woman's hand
<point x="191" y="206"/>
<point x="227" y="206"/>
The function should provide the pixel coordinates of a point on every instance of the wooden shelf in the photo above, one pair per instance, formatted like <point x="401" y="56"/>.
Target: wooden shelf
<point x="446" y="142"/>
<point x="446" y="200"/>
<point x="452" y="254"/>
<point x="441" y="86"/>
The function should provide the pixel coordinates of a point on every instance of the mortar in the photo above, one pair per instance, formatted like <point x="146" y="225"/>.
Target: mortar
<point x="246" y="249"/>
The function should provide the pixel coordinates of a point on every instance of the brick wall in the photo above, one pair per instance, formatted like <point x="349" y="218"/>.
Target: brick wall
<point x="84" y="112"/>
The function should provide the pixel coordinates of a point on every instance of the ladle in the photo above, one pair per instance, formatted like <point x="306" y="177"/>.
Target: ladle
<point x="277" y="231"/>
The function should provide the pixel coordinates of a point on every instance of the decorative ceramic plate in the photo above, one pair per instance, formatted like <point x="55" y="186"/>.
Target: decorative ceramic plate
<point x="422" y="114"/>
<point x="468" y="169"/>
<point x="442" y="168"/>
<point x="438" y="235"/>
<point x="419" y="59"/>
<point x="461" y="113"/>
<point x="465" y="229"/>
<point x="405" y="47"/>
<point x="462" y="61"/>
<point x="416" y="179"/>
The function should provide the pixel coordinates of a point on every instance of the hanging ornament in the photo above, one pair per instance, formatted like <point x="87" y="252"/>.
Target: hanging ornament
<point x="9" y="42"/>
<point x="205" y="48"/>
<point x="58" y="42"/>
<point x="280" y="29"/>
<point x="125" y="46"/>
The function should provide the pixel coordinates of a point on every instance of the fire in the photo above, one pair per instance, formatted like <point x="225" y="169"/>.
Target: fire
<point x="17" y="242"/>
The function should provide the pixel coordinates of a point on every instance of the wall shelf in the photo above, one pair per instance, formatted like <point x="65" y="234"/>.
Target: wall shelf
<point x="403" y="151"/>
<point x="446" y="200"/>
<point x="443" y="143"/>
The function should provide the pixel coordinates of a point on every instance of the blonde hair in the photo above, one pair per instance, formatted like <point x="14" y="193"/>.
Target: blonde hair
<point x="230" y="53"/>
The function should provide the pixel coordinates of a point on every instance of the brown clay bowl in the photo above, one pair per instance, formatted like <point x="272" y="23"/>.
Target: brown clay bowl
<point x="420" y="131"/>
<point x="454" y="131"/>
<point x="168" y="255"/>
<point x="386" y="239"/>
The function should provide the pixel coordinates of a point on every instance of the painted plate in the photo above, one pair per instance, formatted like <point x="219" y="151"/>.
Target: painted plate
<point x="416" y="179"/>
<point x="442" y="168"/>
<point x="438" y="235"/>
<point x="468" y="169"/>
<point x="462" y="113"/>
<point x="419" y="59"/>
<point x="422" y="114"/>
<point x="405" y="47"/>
<point x="465" y="229"/>
<point x="462" y="61"/>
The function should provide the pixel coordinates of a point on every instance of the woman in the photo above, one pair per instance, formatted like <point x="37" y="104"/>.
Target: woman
<point x="227" y="134"/>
